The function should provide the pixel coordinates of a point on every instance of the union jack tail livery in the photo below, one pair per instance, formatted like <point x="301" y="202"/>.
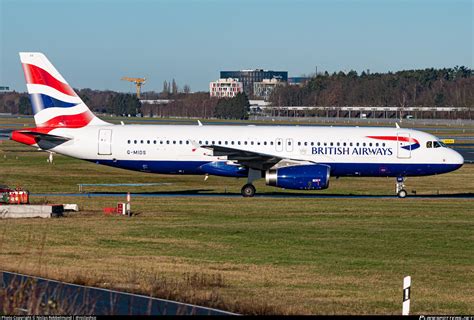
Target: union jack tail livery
<point x="55" y="104"/>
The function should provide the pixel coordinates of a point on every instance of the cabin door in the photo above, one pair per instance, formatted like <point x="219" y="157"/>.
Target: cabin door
<point x="105" y="142"/>
<point x="403" y="146"/>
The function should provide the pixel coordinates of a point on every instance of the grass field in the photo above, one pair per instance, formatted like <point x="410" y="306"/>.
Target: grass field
<point x="261" y="255"/>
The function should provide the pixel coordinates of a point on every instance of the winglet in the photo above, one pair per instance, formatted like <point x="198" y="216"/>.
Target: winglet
<point x="199" y="123"/>
<point x="396" y="125"/>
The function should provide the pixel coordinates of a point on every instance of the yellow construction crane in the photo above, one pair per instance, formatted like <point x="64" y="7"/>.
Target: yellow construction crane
<point x="139" y="82"/>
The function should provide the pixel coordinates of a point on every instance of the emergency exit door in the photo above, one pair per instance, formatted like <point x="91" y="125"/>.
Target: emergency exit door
<point x="105" y="141"/>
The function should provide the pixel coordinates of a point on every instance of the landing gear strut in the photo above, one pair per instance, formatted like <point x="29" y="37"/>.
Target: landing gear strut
<point x="400" y="189"/>
<point x="249" y="190"/>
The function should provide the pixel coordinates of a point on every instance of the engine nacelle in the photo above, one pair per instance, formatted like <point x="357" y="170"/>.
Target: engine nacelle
<point x="302" y="177"/>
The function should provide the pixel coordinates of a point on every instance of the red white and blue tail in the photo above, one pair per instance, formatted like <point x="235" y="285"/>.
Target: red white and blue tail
<point x="55" y="104"/>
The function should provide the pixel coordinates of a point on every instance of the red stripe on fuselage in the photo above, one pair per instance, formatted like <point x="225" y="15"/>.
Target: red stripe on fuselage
<point x="36" y="75"/>
<point x="394" y="138"/>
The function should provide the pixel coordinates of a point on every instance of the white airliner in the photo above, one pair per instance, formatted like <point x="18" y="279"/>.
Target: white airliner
<point x="301" y="158"/>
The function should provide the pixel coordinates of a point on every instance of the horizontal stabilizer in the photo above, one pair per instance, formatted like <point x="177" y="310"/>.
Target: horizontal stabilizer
<point x="44" y="136"/>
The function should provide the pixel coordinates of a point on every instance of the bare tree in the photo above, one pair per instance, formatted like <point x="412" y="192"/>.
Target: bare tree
<point x="174" y="87"/>
<point x="186" y="89"/>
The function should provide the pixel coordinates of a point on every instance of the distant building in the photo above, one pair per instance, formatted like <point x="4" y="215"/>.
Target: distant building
<point x="4" y="89"/>
<point x="249" y="77"/>
<point x="264" y="88"/>
<point x="298" y="81"/>
<point x="225" y="88"/>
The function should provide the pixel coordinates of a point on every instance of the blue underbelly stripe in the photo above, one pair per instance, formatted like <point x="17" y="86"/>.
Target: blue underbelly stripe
<point x="337" y="169"/>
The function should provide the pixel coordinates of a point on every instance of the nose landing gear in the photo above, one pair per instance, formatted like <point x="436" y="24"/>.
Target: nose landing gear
<point x="400" y="188"/>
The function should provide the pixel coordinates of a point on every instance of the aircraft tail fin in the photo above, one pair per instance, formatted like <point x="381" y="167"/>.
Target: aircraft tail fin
<point x="54" y="102"/>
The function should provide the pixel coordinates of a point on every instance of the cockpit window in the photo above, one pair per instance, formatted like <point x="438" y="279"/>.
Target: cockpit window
<point x="435" y="144"/>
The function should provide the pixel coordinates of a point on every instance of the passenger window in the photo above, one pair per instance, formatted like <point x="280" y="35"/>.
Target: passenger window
<point x="306" y="143"/>
<point x="154" y="141"/>
<point x="350" y="144"/>
<point x="271" y="143"/>
<point x="331" y="144"/>
<point x="148" y="141"/>
<point x="344" y="144"/>
<point x="312" y="143"/>
<point x="219" y="142"/>
<point x="338" y="144"/>
<point x="370" y="144"/>
<point x="167" y="142"/>
<point x="187" y="141"/>
<point x="245" y="142"/>
<point x="238" y="142"/>
<point x="383" y="144"/>
<point x="232" y="142"/>
<point x="135" y="141"/>
<point x="180" y="141"/>
<point x="299" y="143"/>
<point x="429" y="144"/>
<point x="251" y="142"/>
<point x="128" y="141"/>
<point x="141" y="141"/>
<point x="161" y="141"/>
<point x="279" y="143"/>
<point x="200" y="141"/>
<point x="225" y="142"/>
<point x="319" y="143"/>
<point x="377" y="144"/>
<point x="258" y="143"/>
<point x="264" y="143"/>
<point x="363" y="144"/>
<point x="357" y="144"/>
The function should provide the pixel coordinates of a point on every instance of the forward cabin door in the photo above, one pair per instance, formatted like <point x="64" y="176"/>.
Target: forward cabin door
<point x="403" y="146"/>
<point x="105" y="142"/>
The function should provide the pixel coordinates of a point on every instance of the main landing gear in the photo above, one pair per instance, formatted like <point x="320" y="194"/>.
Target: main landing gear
<point x="400" y="189"/>
<point x="249" y="190"/>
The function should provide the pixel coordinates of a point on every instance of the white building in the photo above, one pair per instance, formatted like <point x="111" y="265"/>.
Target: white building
<point x="264" y="88"/>
<point x="225" y="88"/>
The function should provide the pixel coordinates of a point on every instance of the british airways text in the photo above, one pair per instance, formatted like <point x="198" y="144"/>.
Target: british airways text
<point x="358" y="151"/>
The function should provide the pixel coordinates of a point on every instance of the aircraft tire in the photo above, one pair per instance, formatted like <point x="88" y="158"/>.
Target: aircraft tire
<point x="248" y="190"/>
<point x="402" y="193"/>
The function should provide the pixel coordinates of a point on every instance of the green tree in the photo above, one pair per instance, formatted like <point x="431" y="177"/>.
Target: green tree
<point x="234" y="108"/>
<point x="24" y="105"/>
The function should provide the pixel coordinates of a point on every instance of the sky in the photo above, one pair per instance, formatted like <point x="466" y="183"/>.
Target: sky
<point x="93" y="43"/>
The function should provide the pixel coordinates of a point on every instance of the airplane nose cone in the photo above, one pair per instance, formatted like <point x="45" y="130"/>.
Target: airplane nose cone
<point x="457" y="158"/>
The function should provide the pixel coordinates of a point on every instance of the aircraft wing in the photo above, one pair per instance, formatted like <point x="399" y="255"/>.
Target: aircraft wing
<point x="253" y="160"/>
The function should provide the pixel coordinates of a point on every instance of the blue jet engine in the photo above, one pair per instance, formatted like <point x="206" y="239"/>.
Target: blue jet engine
<point x="300" y="177"/>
